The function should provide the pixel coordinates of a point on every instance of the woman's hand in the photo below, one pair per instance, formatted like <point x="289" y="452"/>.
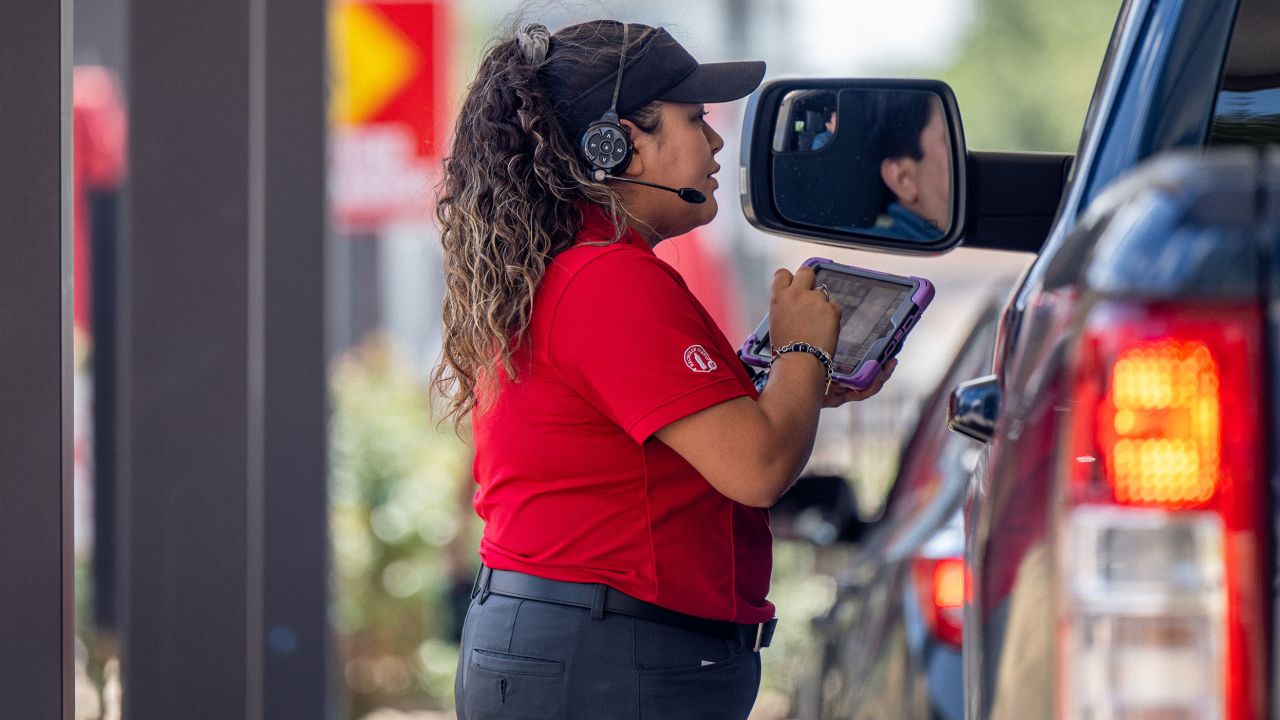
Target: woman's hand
<point x="798" y="312"/>
<point x="839" y="394"/>
<point x="751" y="451"/>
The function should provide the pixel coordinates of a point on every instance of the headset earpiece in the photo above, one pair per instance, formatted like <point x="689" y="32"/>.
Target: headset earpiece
<point x="607" y="145"/>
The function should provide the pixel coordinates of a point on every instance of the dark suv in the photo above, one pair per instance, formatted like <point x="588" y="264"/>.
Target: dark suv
<point x="1120" y="528"/>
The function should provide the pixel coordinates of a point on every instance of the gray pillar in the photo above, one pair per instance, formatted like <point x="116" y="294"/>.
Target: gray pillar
<point x="296" y="531"/>
<point x="222" y="384"/>
<point x="36" y="623"/>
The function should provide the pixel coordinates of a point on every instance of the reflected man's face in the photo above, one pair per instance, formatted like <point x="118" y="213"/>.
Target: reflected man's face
<point x="924" y="186"/>
<point x="934" y="202"/>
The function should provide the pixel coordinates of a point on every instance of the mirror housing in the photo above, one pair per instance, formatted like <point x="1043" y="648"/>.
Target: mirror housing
<point x="999" y="201"/>
<point x="974" y="408"/>
<point x="831" y="193"/>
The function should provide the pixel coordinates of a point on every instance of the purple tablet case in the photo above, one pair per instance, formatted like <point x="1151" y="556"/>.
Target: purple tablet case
<point x="755" y="351"/>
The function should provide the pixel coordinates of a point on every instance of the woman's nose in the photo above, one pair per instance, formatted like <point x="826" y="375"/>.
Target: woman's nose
<point x="714" y="139"/>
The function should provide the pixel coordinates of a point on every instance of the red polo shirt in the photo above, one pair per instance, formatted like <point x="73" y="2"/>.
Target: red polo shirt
<point x="573" y="485"/>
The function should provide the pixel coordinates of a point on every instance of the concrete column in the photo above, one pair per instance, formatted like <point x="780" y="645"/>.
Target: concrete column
<point x="222" y="443"/>
<point x="36" y="622"/>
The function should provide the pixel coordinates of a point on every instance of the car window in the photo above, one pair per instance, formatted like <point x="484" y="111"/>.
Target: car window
<point x="1247" y="111"/>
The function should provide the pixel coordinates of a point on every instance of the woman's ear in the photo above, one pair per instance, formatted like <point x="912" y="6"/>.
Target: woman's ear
<point x="641" y="141"/>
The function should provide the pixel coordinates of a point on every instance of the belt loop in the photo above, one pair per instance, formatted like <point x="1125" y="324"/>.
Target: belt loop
<point x="484" y="578"/>
<point x="475" y="584"/>
<point x="597" y="603"/>
<point x="764" y="633"/>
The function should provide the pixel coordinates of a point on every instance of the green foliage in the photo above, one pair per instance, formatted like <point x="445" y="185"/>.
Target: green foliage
<point x="1026" y="75"/>
<point x="401" y="527"/>
<point x="800" y="594"/>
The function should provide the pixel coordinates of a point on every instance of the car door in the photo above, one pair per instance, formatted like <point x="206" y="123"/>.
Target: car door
<point x="1157" y="91"/>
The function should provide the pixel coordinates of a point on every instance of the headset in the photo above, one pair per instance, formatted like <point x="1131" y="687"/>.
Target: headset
<point x="606" y="144"/>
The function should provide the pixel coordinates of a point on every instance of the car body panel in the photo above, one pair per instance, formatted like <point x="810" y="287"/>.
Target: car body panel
<point x="1156" y="93"/>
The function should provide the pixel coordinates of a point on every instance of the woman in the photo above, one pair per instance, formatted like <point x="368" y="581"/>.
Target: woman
<point x="625" y="462"/>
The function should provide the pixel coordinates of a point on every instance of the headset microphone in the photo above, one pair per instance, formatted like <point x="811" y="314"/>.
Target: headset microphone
<point x="686" y="194"/>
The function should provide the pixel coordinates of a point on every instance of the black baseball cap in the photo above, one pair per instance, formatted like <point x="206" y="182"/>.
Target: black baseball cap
<point x="657" y="68"/>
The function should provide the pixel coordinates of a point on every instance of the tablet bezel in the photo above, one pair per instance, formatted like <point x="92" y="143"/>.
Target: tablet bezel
<point x="756" y="351"/>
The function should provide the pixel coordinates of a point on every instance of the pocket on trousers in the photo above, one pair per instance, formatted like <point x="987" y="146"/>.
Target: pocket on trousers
<point x="512" y="687"/>
<point x="515" y="664"/>
<point x="723" y="691"/>
<point x="660" y="647"/>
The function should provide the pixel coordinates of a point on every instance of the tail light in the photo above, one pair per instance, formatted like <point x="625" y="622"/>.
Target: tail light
<point x="938" y="574"/>
<point x="1161" y="529"/>
<point x="940" y="590"/>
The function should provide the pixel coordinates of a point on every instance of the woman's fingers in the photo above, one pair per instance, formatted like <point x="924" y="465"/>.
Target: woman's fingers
<point x="781" y="280"/>
<point x="798" y="312"/>
<point x="837" y="397"/>
<point x="881" y="379"/>
<point x="804" y="278"/>
<point x="887" y="371"/>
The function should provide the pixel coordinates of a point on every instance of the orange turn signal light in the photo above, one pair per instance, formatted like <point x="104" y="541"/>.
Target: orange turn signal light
<point x="1160" y="428"/>
<point x="948" y="583"/>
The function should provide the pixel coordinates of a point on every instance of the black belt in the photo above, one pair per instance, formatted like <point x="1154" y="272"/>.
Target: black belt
<point x="601" y="599"/>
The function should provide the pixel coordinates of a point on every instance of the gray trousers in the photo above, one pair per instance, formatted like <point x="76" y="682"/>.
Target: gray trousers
<point x="526" y="659"/>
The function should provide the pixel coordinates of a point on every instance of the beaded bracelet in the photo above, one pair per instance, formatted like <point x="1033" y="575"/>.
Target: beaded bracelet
<point x="814" y="350"/>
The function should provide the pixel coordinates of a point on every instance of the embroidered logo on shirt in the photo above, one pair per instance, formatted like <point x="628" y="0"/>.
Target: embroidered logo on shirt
<point x="698" y="359"/>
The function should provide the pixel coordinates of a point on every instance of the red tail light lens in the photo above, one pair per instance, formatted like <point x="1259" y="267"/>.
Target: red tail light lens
<point x="948" y="583"/>
<point x="1162" y="530"/>
<point x="1160" y="425"/>
<point x="940" y="589"/>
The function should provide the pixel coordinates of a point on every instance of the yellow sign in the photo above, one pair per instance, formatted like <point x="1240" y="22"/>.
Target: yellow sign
<point x="372" y="61"/>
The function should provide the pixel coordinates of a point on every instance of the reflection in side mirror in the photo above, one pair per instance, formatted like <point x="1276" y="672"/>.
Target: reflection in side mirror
<point x="871" y="161"/>
<point x="817" y="509"/>
<point x="862" y="163"/>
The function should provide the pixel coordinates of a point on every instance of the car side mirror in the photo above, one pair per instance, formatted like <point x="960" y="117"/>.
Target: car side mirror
<point x="974" y="408"/>
<point x="818" y="509"/>
<point x="876" y="164"/>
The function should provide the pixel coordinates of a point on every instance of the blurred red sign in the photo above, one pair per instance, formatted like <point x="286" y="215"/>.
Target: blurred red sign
<point x="388" y="111"/>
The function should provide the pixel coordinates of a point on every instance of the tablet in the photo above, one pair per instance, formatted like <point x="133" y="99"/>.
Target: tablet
<point x="877" y="311"/>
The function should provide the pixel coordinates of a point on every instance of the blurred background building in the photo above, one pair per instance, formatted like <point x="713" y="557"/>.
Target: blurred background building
<point x="401" y="534"/>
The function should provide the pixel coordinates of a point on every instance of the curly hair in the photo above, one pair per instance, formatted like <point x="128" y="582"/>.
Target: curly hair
<point x="508" y="200"/>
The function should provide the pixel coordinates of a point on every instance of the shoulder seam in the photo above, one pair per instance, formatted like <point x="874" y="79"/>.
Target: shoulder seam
<point x="607" y="250"/>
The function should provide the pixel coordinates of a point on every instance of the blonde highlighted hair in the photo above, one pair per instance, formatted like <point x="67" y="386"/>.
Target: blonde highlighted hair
<point x="508" y="200"/>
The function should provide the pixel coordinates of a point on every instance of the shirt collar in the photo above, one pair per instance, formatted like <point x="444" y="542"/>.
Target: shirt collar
<point x="911" y="224"/>
<point x="598" y="226"/>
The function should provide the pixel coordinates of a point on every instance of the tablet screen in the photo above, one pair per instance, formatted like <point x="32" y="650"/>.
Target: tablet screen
<point x="867" y="308"/>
